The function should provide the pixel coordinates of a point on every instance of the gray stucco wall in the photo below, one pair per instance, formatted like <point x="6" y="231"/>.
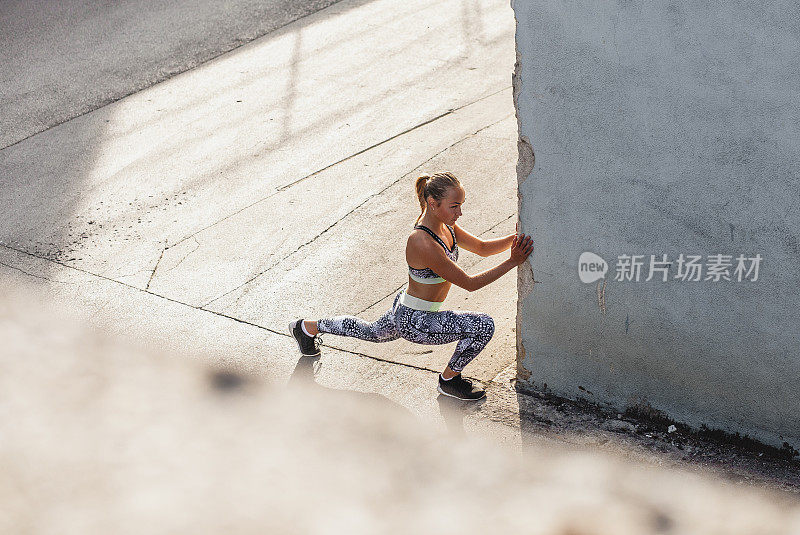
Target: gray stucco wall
<point x="663" y="128"/>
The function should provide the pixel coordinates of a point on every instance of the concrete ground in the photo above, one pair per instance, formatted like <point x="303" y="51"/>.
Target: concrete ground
<point x="200" y="214"/>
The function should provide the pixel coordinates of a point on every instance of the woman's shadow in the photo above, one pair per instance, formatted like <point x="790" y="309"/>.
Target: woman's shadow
<point x="453" y="410"/>
<point x="303" y="376"/>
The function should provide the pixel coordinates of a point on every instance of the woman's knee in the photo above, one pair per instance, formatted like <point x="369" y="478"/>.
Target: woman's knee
<point x="486" y="325"/>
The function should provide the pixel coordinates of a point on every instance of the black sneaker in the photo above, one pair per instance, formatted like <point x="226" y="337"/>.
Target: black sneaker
<point x="308" y="345"/>
<point x="460" y="388"/>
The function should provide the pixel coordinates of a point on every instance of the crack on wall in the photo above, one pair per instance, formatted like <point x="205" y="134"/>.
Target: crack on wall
<point x="601" y="298"/>
<point x="523" y="374"/>
<point x="525" y="280"/>
<point x="526" y="159"/>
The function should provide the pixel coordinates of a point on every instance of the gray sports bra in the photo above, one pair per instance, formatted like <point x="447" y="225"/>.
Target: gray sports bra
<point x="426" y="275"/>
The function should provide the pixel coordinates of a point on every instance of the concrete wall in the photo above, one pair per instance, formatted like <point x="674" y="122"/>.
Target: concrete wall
<point x="663" y="128"/>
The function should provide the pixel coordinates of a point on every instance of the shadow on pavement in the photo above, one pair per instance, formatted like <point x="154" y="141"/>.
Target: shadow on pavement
<point x="454" y="410"/>
<point x="304" y="376"/>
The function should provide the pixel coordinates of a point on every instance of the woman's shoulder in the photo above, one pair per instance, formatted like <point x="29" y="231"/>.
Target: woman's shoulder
<point x="416" y="248"/>
<point x="416" y="236"/>
<point x="418" y="239"/>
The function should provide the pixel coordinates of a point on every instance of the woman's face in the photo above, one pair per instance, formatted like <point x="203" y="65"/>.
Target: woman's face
<point x="450" y="208"/>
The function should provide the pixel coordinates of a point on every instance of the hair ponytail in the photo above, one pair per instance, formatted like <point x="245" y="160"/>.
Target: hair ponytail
<point x="420" y="187"/>
<point x="435" y="186"/>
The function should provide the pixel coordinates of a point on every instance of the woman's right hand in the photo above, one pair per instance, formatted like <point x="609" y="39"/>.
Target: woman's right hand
<point x="521" y="248"/>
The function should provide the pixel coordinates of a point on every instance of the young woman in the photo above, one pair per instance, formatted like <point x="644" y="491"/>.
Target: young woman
<point x="431" y="253"/>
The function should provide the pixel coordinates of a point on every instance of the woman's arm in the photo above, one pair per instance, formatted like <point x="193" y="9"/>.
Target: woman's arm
<point x="520" y="250"/>
<point x="497" y="245"/>
<point x="481" y="247"/>
<point x="521" y="247"/>
<point x="490" y="275"/>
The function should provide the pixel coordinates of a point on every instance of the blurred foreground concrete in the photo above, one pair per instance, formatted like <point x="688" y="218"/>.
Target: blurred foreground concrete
<point x="100" y="436"/>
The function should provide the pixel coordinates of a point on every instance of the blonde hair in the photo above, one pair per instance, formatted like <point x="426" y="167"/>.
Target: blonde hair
<point x="436" y="186"/>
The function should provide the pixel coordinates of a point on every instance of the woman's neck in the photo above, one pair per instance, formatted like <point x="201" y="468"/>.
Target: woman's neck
<point x="432" y="223"/>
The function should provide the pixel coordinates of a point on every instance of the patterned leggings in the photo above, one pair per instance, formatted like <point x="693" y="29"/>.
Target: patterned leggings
<point x="473" y="330"/>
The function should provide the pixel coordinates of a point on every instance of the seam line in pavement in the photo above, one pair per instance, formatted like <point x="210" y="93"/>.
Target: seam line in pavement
<point x="289" y="185"/>
<point x="32" y="275"/>
<point x="257" y="275"/>
<point x="170" y="76"/>
<point x="220" y="314"/>
<point x="420" y="125"/>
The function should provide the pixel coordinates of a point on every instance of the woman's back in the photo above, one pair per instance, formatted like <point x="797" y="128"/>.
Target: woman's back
<point x="424" y="282"/>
